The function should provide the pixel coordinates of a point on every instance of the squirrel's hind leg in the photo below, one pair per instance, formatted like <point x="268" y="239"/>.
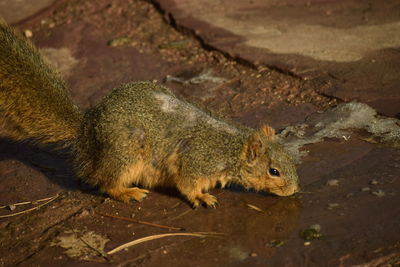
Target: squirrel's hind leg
<point x="119" y="188"/>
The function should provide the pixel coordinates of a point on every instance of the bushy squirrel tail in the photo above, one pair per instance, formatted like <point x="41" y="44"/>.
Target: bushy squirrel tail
<point x="34" y="102"/>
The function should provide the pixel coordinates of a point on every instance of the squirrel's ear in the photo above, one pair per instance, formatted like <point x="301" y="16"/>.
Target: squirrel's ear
<point x="268" y="131"/>
<point x="252" y="148"/>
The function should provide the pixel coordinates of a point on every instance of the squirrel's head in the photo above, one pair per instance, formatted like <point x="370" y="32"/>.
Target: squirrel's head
<point x="267" y="166"/>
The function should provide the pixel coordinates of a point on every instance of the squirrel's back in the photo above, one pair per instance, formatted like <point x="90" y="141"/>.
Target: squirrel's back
<point x="34" y="102"/>
<point x="143" y="134"/>
<point x="147" y="117"/>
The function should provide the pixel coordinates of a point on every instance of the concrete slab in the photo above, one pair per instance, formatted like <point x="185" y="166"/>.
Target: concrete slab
<point x="16" y="11"/>
<point x="350" y="46"/>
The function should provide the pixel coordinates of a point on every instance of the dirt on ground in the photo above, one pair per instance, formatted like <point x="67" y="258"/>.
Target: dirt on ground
<point x="347" y="213"/>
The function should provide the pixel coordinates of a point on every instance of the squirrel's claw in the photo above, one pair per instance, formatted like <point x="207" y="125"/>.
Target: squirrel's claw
<point x="139" y="194"/>
<point x="206" y="199"/>
<point x="209" y="200"/>
<point x="195" y="204"/>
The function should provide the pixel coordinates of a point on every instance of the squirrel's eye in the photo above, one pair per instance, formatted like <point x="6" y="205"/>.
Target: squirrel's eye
<point x="274" y="172"/>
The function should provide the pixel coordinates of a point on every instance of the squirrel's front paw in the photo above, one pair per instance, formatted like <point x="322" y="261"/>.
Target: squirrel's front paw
<point x="208" y="199"/>
<point x="126" y="194"/>
<point x="137" y="193"/>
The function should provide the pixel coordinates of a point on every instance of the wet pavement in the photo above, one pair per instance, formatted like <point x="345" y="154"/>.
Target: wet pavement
<point x="286" y="63"/>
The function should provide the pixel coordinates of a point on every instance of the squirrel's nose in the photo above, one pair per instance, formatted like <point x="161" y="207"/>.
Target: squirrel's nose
<point x="291" y="189"/>
<point x="296" y="189"/>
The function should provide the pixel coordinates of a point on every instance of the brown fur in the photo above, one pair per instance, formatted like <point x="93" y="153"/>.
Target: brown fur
<point x="34" y="103"/>
<point x="141" y="134"/>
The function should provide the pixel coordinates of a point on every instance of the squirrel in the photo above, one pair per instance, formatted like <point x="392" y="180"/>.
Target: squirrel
<point x="140" y="134"/>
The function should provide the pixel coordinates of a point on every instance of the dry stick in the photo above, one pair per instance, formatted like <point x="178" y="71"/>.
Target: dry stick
<point x="180" y="215"/>
<point x="211" y="234"/>
<point x="142" y="222"/>
<point x="152" y="237"/>
<point x="224" y="84"/>
<point x="28" y="210"/>
<point x="101" y="253"/>
<point x="26" y="202"/>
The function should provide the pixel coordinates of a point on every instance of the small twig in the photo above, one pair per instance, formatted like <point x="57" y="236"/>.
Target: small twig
<point x="28" y="210"/>
<point x="142" y="222"/>
<point x="176" y="205"/>
<point x="180" y="215"/>
<point x="101" y="253"/>
<point x="26" y="202"/>
<point x="153" y="237"/>
<point x="224" y="84"/>
<point x="209" y="234"/>
<point x="255" y="208"/>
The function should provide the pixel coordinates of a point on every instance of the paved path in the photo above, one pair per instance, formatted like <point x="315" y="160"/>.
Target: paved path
<point x="351" y="47"/>
<point x="17" y="11"/>
<point x="349" y="158"/>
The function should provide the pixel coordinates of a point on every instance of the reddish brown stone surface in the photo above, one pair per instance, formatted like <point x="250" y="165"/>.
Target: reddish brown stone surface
<point x="22" y="10"/>
<point x="358" y="225"/>
<point x="351" y="47"/>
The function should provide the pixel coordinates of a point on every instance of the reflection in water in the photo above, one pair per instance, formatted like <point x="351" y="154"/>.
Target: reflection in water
<point x="247" y="232"/>
<point x="253" y="232"/>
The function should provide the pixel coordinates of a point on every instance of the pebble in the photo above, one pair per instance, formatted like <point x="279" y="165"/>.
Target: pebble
<point x="307" y="243"/>
<point x="121" y="41"/>
<point x="28" y="33"/>
<point x="379" y="193"/>
<point x="332" y="182"/>
<point x="365" y="189"/>
<point x="332" y="206"/>
<point x="373" y="182"/>
<point x="12" y="207"/>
